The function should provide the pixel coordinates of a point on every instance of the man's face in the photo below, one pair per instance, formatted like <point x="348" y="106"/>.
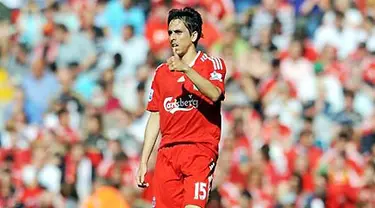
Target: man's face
<point x="65" y="77"/>
<point x="265" y="36"/>
<point x="349" y="103"/>
<point x="127" y="3"/>
<point x="59" y="35"/>
<point x="21" y="55"/>
<point x="128" y="33"/>
<point x="230" y="35"/>
<point x="270" y="4"/>
<point x="295" y="50"/>
<point x="179" y="36"/>
<point x="307" y="140"/>
<point x="38" y="68"/>
<point x="64" y="119"/>
<point x="78" y="152"/>
<point x="341" y="5"/>
<point x="339" y="21"/>
<point x="93" y="125"/>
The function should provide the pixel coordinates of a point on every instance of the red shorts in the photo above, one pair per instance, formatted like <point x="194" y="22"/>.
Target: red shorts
<point x="183" y="175"/>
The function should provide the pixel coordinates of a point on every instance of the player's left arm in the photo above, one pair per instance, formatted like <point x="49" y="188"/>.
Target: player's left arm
<point x="208" y="88"/>
<point x="212" y="87"/>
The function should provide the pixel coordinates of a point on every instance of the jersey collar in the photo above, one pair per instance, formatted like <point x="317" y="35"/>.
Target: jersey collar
<point x="195" y="59"/>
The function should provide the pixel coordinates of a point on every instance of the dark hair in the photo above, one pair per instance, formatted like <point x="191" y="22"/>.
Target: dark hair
<point x="24" y="47"/>
<point x="344" y="136"/>
<point x="131" y="27"/>
<point x="349" y="93"/>
<point x="117" y="61"/>
<point x="55" y="6"/>
<point x="308" y="119"/>
<point x="300" y="182"/>
<point x="275" y="63"/>
<point x="61" y="112"/>
<point x="141" y="86"/>
<point x="246" y="194"/>
<point x="62" y="27"/>
<point x="305" y="132"/>
<point x="339" y="14"/>
<point x="215" y="196"/>
<point x="362" y="45"/>
<point x="265" y="151"/>
<point x="98" y="117"/>
<point x="73" y="65"/>
<point x="190" y="17"/>
<point x="301" y="43"/>
<point x="102" y="1"/>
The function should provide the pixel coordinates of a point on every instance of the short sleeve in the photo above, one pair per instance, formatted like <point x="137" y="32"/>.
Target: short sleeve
<point x="217" y="73"/>
<point x="153" y="96"/>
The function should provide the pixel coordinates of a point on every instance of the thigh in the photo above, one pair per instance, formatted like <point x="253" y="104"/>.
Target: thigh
<point x="198" y="168"/>
<point x="167" y="184"/>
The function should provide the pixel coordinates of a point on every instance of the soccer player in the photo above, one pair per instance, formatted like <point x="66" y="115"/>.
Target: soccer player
<point x="185" y="102"/>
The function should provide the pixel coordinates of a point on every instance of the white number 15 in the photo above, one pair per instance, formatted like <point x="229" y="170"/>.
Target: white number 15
<point x="200" y="191"/>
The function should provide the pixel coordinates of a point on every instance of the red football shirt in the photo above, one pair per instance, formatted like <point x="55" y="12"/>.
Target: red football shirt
<point x="186" y="115"/>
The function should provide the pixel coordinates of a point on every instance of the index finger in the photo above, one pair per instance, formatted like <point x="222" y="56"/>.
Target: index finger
<point x="175" y="53"/>
<point x="143" y="185"/>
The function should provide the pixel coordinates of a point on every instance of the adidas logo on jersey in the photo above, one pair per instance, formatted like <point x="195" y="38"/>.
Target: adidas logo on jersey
<point x="181" y="79"/>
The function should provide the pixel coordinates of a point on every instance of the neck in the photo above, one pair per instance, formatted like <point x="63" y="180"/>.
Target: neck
<point x="295" y="58"/>
<point x="66" y="38"/>
<point x="126" y="39"/>
<point x="66" y="89"/>
<point x="190" y="55"/>
<point x="38" y="77"/>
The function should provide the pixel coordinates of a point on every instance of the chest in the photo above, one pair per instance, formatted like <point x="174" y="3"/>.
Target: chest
<point x="69" y="52"/>
<point x="297" y="70"/>
<point x="178" y="84"/>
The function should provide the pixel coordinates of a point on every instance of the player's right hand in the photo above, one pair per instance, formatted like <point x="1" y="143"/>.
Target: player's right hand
<point x="141" y="176"/>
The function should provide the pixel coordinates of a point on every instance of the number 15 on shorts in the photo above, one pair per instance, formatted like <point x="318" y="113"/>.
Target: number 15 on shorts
<point x="200" y="191"/>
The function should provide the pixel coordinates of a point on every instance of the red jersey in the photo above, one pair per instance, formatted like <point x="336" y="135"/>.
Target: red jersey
<point x="240" y="156"/>
<point x="269" y="84"/>
<point x="186" y="115"/>
<point x="30" y="197"/>
<point x="155" y="32"/>
<point x="339" y="70"/>
<point x="219" y="8"/>
<point x="369" y="73"/>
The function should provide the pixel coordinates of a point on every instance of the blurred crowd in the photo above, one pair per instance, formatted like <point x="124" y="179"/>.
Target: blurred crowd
<point x="298" y="119"/>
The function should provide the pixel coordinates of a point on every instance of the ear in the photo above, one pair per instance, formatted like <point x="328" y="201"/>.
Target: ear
<point x="194" y="36"/>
